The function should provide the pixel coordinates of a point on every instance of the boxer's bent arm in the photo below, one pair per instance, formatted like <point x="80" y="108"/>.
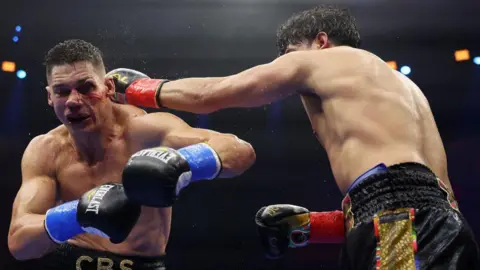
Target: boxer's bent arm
<point x="235" y="155"/>
<point x="27" y="238"/>
<point x="320" y="72"/>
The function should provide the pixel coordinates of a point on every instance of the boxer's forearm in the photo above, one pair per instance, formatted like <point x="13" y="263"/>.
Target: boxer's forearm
<point x="206" y="95"/>
<point x="28" y="239"/>
<point x="235" y="154"/>
<point x="195" y="95"/>
<point x="259" y="85"/>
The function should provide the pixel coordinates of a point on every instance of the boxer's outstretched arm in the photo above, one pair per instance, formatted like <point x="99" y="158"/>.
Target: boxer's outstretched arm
<point x="296" y="72"/>
<point x="165" y="129"/>
<point x="27" y="238"/>
<point x="253" y="87"/>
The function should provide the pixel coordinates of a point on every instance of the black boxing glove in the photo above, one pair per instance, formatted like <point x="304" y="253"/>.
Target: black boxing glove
<point x="103" y="211"/>
<point x="135" y="88"/>
<point x="154" y="177"/>
<point x="277" y="224"/>
<point x="108" y="210"/>
<point x="283" y="226"/>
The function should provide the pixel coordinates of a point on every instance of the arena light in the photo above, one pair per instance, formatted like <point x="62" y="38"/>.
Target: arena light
<point x="18" y="28"/>
<point x="15" y="39"/>
<point x="406" y="70"/>
<point x="21" y="74"/>
<point x="392" y="64"/>
<point x="476" y="60"/>
<point x="8" y="66"/>
<point x="462" y="55"/>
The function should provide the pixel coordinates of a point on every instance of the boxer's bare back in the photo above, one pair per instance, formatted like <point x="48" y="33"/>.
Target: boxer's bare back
<point x="362" y="111"/>
<point x="377" y="116"/>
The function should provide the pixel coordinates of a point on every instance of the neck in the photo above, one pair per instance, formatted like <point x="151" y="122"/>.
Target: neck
<point x="91" y="145"/>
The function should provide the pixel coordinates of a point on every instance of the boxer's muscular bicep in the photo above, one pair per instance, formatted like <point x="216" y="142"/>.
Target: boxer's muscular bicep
<point x="261" y="85"/>
<point x="168" y="130"/>
<point x="27" y="238"/>
<point x="317" y="72"/>
<point x="36" y="196"/>
<point x="37" y="192"/>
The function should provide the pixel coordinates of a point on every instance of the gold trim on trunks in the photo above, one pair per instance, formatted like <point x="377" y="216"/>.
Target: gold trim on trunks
<point x="396" y="239"/>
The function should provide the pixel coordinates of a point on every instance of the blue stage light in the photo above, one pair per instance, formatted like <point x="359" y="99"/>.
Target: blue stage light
<point x="476" y="60"/>
<point x="406" y="70"/>
<point x="21" y="74"/>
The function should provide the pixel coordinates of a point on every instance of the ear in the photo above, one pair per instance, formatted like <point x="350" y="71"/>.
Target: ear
<point x="110" y="86"/>
<point x="321" y="41"/>
<point x="49" y="96"/>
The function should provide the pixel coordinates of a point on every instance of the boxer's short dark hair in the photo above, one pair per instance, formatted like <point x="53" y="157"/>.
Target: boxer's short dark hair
<point x="338" y="23"/>
<point x="71" y="51"/>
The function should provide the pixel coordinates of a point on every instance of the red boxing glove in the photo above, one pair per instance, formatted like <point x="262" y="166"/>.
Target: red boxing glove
<point x="135" y="88"/>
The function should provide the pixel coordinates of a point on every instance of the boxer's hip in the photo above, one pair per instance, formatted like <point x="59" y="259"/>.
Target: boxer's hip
<point x="403" y="217"/>
<point x="405" y="185"/>
<point x="67" y="256"/>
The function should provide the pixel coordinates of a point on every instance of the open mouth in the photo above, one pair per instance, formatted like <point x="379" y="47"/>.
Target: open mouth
<point x="77" y="118"/>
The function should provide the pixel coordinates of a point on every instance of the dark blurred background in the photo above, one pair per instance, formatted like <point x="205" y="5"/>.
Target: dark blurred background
<point x="213" y="221"/>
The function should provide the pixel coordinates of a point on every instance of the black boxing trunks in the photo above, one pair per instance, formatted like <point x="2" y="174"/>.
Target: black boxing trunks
<point x="69" y="257"/>
<point x="404" y="217"/>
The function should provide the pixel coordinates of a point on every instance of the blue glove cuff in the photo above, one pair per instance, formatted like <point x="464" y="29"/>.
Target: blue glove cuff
<point x="61" y="222"/>
<point x="203" y="161"/>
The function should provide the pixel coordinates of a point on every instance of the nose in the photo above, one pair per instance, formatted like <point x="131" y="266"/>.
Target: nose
<point x="74" y="99"/>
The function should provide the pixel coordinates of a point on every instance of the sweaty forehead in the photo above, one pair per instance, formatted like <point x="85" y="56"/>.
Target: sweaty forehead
<point x="67" y="73"/>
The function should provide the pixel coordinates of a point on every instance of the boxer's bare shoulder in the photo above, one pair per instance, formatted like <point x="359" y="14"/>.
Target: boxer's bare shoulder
<point x="43" y="149"/>
<point x="132" y="111"/>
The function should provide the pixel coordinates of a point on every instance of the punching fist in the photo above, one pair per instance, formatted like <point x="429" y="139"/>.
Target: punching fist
<point x="107" y="209"/>
<point x="151" y="176"/>
<point x="282" y="226"/>
<point x="135" y="88"/>
<point x="104" y="211"/>
<point x="154" y="177"/>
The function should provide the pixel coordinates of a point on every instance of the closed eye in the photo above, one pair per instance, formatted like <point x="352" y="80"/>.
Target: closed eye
<point x="61" y="91"/>
<point x="85" y="87"/>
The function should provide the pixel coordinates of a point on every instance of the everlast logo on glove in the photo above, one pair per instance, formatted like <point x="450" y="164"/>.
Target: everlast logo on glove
<point x="97" y="209"/>
<point x="96" y="198"/>
<point x="162" y="155"/>
<point x="152" y="176"/>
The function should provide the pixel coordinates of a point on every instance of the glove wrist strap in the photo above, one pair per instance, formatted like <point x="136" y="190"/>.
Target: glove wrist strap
<point x="157" y="93"/>
<point x="144" y="92"/>
<point x="327" y="227"/>
<point x="203" y="161"/>
<point x="61" y="222"/>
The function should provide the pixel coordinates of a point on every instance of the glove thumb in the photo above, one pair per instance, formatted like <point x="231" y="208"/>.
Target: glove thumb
<point x="274" y="239"/>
